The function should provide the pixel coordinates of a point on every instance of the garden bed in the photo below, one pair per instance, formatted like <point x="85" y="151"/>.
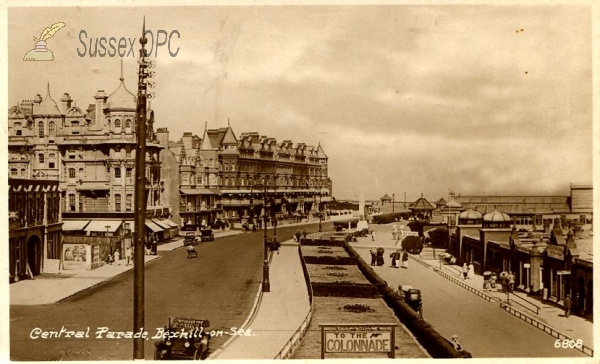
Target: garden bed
<point x="320" y="273"/>
<point x="358" y="310"/>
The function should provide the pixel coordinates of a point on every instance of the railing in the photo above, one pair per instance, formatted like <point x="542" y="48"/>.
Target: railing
<point x="547" y="329"/>
<point x="292" y="344"/>
<point x="536" y="308"/>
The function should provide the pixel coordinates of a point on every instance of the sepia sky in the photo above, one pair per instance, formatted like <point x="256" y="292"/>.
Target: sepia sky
<point x="419" y="99"/>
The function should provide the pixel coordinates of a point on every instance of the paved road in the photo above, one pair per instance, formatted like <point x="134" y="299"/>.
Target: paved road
<point x="220" y="285"/>
<point x="482" y="327"/>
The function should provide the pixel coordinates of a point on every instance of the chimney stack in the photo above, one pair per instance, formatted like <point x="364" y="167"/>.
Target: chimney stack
<point x="66" y="103"/>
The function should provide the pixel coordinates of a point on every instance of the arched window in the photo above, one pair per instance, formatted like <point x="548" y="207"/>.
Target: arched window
<point x="13" y="172"/>
<point x="72" y="201"/>
<point x="117" y="126"/>
<point x="128" y="126"/>
<point x="23" y="172"/>
<point x="41" y="129"/>
<point x="81" y="173"/>
<point x="41" y="158"/>
<point x="117" y="172"/>
<point x="71" y="172"/>
<point x="51" y="128"/>
<point x="128" y="202"/>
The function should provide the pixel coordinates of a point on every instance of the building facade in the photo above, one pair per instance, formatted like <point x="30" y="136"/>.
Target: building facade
<point x="226" y="178"/>
<point x="34" y="227"/>
<point x="91" y="154"/>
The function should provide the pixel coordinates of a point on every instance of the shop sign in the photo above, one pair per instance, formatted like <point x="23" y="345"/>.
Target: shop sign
<point x="563" y="272"/>
<point x="555" y="251"/>
<point x="526" y="265"/>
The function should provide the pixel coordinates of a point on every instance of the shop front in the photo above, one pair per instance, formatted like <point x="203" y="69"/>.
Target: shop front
<point x="471" y="252"/>
<point x="498" y="257"/>
<point x="556" y="275"/>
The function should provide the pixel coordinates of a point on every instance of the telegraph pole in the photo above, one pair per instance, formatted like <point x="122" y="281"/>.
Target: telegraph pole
<point x="140" y="200"/>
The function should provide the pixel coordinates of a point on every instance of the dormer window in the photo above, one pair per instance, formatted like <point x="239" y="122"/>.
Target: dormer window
<point x="18" y="130"/>
<point x="74" y="127"/>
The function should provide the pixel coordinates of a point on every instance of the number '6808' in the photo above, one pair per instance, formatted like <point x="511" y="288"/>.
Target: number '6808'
<point x="566" y="344"/>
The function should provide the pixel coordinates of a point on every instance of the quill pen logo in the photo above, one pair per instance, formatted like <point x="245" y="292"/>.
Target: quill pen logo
<point x="40" y="52"/>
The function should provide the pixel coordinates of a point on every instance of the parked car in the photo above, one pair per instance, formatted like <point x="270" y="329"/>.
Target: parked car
<point x="412" y="297"/>
<point x="190" y="238"/>
<point x="207" y="235"/>
<point x="183" y="338"/>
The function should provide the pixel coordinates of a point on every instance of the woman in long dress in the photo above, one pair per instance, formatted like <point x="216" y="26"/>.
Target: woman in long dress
<point x="471" y="270"/>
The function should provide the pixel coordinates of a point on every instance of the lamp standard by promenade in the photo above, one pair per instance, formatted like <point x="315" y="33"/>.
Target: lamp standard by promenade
<point x="393" y="202"/>
<point x="320" y="213"/>
<point x="266" y="284"/>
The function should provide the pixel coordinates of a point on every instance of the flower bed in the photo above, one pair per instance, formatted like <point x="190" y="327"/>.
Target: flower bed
<point x="324" y="274"/>
<point x="331" y="310"/>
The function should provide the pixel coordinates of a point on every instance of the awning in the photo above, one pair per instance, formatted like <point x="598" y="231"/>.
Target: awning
<point x="170" y="223"/>
<point x="199" y="191"/>
<point x="152" y="226"/>
<point x="74" y="225"/>
<point x="106" y="226"/>
<point x="161" y="224"/>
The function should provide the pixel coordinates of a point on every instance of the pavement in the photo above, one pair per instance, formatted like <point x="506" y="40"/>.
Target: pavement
<point x="52" y="288"/>
<point x="546" y="315"/>
<point x="278" y="314"/>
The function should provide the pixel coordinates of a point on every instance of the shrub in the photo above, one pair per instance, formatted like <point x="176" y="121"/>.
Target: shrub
<point x="337" y="274"/>
<point x="358" y="308"/>
<point x="334" y="267"/>
<point x="412" y="244"/>
<point x="439" y="238"/>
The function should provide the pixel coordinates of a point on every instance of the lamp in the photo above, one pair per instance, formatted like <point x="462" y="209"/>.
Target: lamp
<point x="266" y="284"/>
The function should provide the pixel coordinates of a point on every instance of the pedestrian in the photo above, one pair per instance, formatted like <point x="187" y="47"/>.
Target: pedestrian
<point x="471" y="270"/>
<point x="380" y="252"/>
<point x="373" y="256"/>
<point x="395" y="258"/>
<point x="405" y="259"/>
<point x="465" y="271"/>
<point x="117" y="256"/>
<point x="568" y="305"/>
<point x="511" y="281"/>
<point x="128" y="254"/>
<point x="459" y="348"/>
<point x="372" y="235"/>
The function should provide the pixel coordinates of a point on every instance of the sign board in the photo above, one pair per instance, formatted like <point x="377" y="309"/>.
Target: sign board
<point x="188" y="323"/>
<point x="95" y="256"/>
<point x="555" y="251"/>
<point x="358" y="338"/>
<point x="563" y="272"/>
<point x="526" y="265"/>
<point x="75" y="256"/>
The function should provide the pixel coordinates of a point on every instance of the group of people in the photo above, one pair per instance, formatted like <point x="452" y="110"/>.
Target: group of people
<point x="115" y="258"/>
<point x="397" y="255"/>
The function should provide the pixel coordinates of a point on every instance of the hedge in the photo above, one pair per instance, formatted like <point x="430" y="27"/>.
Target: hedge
<point x="389" y="218"/>
<point x="334" y="241"/>
<point x="435" y="344"/>
<point x="330" y="260"/>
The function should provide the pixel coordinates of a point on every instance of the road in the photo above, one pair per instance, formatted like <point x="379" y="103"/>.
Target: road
<point x="482" y="327"/>
<point x="220" y="285"/>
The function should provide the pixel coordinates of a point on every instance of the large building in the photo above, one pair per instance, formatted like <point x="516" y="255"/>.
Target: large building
<point x="91" y="154"/>
<point x="223" y="177"/>
<point x="34" y="227"/>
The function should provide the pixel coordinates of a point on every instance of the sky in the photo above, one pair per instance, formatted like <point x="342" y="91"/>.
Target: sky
<point x="415" y="99"/>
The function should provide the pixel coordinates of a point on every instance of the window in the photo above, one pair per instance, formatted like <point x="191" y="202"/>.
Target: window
<point x="23" y="172"/>
<point x="242" y="181"/>
<point x="227" y="167"/>
<point x="128" y="126"/>
<point x="128" y="202"/>
<point x="71" y="172"/>
<point x="41" y="158"/>
<point x="226" y="181"/>
<point x="233" y="168"/>
<point x="51" y="160"/>
<point x="51" y="128"/>
<point x="117" y="172"/>
<point x="13" y="172"/>
<point x="117" y="126"/>
<point x="199" y="180"/>
<point x="128" y="174"/>
<point x="81" y="174"/>
<point x="72" y="200"/>
<point x="41" y="129"/>
<point x="128" y="152"/>
<point x="74" y="127"/>
<point x="18" y="130"/>
<point x="117" y="202"/>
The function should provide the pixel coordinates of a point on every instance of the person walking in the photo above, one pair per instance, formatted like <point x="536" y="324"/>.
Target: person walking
<point x="395" y="258"/>
<point x="568" y="304"/>
<point x="405" y="259"/>
<point x="471" y="270"/>
<point x="373" y="256"/>
<point x="117" y="256"/>
<point x="372" y="235"/>
<point x="128" y="255"/>
<point x="465" y="271"/>
<point x="511" y="281"/>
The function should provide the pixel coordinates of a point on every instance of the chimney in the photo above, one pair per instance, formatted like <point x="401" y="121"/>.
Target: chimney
<point x="187" y="140"/>
<point x="66" y="103"/>
<point x="162" y="135"/>
<point x="37" y="99"/>
<point x="27" y="107"/>
<point x="100" y="105"/>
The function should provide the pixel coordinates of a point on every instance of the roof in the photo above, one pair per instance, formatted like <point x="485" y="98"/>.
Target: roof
<point x="509" y="209"/>
<point x="421" y="204"/>
<point x="121" y="98"/>
<point x="109" y="226"/>
<point x="470" y="215"/>
<point x="47" y="106"/>
<point x="453" y="204"/>
<point x="537" y="204"/>
<point x="441" y="201"/>
<point x="199" y="191"/>
<point x="74" y="225"/>
<point x="496" y="216"/>
<point x="386" y="197"/>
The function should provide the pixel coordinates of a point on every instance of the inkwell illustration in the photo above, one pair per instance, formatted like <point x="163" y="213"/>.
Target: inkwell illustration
<point x="40" y="52"/>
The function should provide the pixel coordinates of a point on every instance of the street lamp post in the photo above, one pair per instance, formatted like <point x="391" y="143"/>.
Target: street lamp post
<point x="320" y="214"/>
<point x="393" y="203"/>
<point x="266" y="284"/>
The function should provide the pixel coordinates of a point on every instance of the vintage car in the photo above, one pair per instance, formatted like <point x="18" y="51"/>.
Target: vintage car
<point x="190" y="238"/>
<point x="207" y="235"/>
<point x="183" y="338"/>
<point x="412" y="297"/>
